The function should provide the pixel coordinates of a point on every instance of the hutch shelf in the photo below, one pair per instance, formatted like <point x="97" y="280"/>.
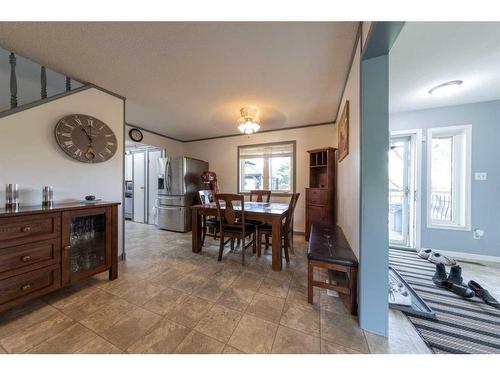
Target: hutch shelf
<point x="320" y="195"/>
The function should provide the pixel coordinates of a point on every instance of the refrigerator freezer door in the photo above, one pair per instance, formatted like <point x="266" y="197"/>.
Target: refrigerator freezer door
<point x="173" y="218"/>
<point x="175" y="176"/>
<point x="194" y="169"/>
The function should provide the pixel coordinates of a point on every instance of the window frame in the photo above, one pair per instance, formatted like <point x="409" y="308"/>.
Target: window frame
<point x="294" y="167"/>
<point x="461" y="199"/>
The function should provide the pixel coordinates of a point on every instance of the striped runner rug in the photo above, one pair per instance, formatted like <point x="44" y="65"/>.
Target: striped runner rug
<point x="463" y="326"/>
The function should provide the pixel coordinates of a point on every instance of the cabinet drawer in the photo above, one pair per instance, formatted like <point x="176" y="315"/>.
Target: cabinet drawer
<point x="317" y="196"/>
<point x="29" y="256"/>
<point x="30" y="228"/>
<point x="317" y="214"/>
<point x="29" y="285"/>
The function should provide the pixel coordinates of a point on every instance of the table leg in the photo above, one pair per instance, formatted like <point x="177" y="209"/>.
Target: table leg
<point x="276" y="224"/>
<point x="195" y="231"/>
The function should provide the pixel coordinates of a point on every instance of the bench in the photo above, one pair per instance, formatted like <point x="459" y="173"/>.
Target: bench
<point x="329" y="249"/>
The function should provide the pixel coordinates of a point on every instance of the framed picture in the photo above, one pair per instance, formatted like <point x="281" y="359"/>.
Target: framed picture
<point x="343" y="132"/>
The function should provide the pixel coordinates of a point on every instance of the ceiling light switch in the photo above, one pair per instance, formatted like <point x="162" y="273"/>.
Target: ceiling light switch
<point x="480" y="176"/>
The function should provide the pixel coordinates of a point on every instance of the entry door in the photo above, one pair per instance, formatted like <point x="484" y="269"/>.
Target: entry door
<point x="401" y="192"/>
<point x="139" y="187"/>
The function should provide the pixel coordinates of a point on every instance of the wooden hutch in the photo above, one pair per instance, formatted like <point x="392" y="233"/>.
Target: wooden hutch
<point x="321" y="193"/>
<point x="43" y="249"/>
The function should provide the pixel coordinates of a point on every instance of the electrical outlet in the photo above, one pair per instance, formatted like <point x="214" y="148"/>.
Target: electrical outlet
<point x="477" y="234"/>
<point x="480" y="176"/>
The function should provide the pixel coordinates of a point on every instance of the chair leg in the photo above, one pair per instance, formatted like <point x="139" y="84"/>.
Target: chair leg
<point x="232" y="243"/>
<point x="203" y="236"/>
<point x="259" y="242"/>
<point x="243" y="251"/>
<point x="267" y="241"/>
<point x="238" y="242"/>
<point x="291" y="242"/>
<point x="254" y="244"/>
<point x="285" y="247"/>
<point x="221" y="248"/>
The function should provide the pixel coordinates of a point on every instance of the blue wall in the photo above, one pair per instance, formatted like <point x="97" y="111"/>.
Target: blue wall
<point x="485" y="120"/>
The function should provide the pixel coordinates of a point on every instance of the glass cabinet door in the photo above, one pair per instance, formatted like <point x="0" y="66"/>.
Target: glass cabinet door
<point x="85" y="243"/>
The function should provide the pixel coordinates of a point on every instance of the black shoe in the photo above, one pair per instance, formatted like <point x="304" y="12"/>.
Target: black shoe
<point x="455" y="276"/>
<point x="462" y="291"/>
<point x="440" y="277"/>
<point x="484" y="294"/>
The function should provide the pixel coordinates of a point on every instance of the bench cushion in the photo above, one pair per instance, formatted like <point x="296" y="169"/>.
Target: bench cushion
<point x="339" y="253"/>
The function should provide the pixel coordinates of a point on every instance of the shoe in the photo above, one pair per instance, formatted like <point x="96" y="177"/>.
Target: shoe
<point x="484" y="294"/>
<point x="461" y="290"/>
<point x="440" y="277"/>
<point x="424" y="253"/>
<point x="438" y="258"/>
<point x="455" y="276"/>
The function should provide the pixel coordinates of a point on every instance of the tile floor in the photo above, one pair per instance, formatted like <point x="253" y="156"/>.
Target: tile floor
<point x="170" y="300"/>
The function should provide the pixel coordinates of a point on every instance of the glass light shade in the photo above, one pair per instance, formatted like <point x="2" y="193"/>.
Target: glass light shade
<point x="248" y="127"/>
<point x="446" y="89"/>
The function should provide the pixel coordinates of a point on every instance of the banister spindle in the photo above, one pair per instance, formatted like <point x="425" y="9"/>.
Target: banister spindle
<point x="43" y="82"/>
<point x="68" y="83"/>
<point x="13" y="81"/>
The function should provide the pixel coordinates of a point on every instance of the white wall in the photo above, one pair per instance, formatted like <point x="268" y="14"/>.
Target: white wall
<point x="222" y="156"/>
<point x="30" y="156"/>
<point x="348" y="183"/>
<point x="173" y="148"/>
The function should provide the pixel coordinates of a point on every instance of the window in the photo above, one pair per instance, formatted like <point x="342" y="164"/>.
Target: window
<point x="267" y="167"/>
<point x="448" y="177"/>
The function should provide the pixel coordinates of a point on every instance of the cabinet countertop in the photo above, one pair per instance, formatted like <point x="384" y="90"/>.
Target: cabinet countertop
<point x="56" y="207"/>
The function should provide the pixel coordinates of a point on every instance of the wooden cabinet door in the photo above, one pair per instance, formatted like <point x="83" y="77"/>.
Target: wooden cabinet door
<point x="316" y="214"/>
<point x="86" y="243"/>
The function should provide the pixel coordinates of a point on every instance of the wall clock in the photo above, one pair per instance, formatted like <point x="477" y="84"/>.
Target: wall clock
<point x="85" y="138"/>
<point x="135" y="135"/>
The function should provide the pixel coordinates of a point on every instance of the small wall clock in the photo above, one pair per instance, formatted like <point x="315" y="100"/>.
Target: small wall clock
<point x="85" y="138"/>
<point x="135" y="135"/>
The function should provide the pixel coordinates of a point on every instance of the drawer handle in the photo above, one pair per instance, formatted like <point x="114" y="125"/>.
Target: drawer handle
<point x="26" y="287"/>
<point x="26" y="258"/>
<point x="26" y="229"/>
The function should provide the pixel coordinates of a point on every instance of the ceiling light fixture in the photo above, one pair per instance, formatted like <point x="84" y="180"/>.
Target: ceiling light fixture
<point x="446" y="89"/>
<point x="249" y="121"/>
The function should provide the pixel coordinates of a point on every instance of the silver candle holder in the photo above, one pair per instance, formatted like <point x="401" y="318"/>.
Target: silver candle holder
<point x="48" y="196"/>
<point x="12" y="196"/>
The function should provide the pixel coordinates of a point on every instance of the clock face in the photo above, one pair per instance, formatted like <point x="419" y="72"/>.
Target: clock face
<point x="135" y="134"/>
<point x="86" y="138"/>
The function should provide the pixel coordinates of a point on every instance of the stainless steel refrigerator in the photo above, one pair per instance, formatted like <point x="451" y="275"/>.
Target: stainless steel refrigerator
<point x="179" y="179"/>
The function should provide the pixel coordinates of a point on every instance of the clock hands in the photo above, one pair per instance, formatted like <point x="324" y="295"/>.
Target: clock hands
<point x="89" y="155"/>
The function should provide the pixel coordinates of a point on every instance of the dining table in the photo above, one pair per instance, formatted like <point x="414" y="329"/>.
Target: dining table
<point x="272" y="213"/>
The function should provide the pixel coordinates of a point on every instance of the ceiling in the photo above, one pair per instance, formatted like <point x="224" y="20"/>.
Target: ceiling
<point x="427" y="54"/>
<point x="188" y="80"/>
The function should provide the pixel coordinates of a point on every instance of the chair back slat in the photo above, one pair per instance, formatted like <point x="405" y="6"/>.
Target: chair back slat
<point x="228" y="217"/>
<point x="260" y="195"/>
<point x="291" y="209"/>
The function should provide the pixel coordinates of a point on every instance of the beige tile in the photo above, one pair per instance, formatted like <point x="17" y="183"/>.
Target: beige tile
<point x="164" y="302"/>
<point x="266" y="307"/>
<point x="301" y="317"/>
<point x="390" y="345"/>
<point x="167" y="278"/>
<point x="210" y="290"/>
<point x="67" y="341"/>
<point x="332" y="348"/>
<point x="189" y="310"/>
<point x="86" y="305"/>
<point x="30" y="336"/>
<point x="236" y="298"/>
<point x="25" y="315"/>
<point x="290" y="341"/>
<point x="274" y="288"/>
<point x="343" y="330"/>
<point x="300" y="296"/>
<point x="164" y="338"/>
<point x="142" y="292"/>
<point x="108" y="315"/>
<point x="253" y="335"/>
<point x="198" y="343"/>
<point x="98" y="346"/>
<point x="69" y="296"/>
<point x="230" y="350"/>
<point x="219" y="323"/>
<point x="130" y="328"/>
<point x="189" y="282"/>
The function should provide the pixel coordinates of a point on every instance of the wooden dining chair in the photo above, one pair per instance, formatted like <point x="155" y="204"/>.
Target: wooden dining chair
<point x="210" y="224"/>
<point x="231" y="226"/>
<point x="286" y="230"/>
<point x="260" y="195"/>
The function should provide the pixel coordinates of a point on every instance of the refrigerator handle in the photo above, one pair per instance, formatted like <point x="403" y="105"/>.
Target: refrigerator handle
<point x="168" y="175"/>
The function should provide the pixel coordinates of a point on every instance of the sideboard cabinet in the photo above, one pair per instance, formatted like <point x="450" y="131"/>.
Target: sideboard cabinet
<point x="43" y="249"/>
